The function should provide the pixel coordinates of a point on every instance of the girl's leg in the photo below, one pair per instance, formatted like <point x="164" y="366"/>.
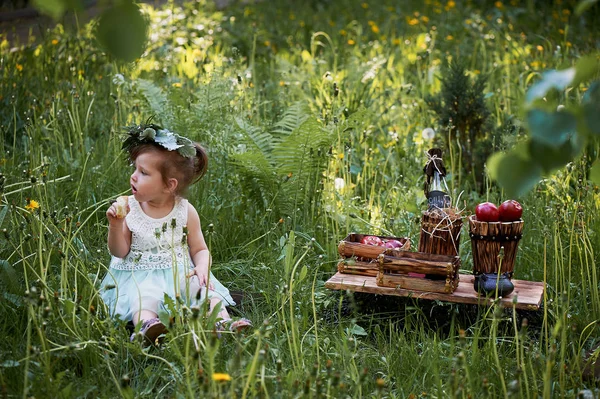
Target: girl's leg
<point x="143" y="314"/>
<point x="216" y="301"/>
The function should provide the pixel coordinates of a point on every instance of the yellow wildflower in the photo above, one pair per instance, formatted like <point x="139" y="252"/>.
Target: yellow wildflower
<point x="365" y="5"/>
<point x="425" y="19"/>
<point x="292" y="16"/>
<point x="396" y="42"/>
<point x="499" y="4"/>
<point x="54" y="42"/>
<point x="450" y="5"/>
<point x="449" y="37"/>
<point x="331" y="23"/>
<point x="341" y="155"/>
<point x="375" y="28"/>
<point x="539" y="48"/>
<point x="32" y="205"/>
<point x="343" y="32"/>
<point x="413" y="21"/>
<point x="566" y="11"/>
<point x="221" y="377"/>
<point x="351" y="42"/>
<point x="267" y="43"/>
<point x="177" y="84"/>
<point x="281" y="83"/>
<point x="19" y="67"/>
<point x="561" y="31"/>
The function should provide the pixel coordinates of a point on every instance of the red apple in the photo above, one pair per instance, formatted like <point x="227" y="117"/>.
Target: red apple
<point x="510" y="211"/>
<point x="487" y="212"/>
<point x="393" y="244"/>
<point x="372" y="240"/>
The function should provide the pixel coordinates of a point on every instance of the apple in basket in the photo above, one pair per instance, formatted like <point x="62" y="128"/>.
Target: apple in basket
<point x="371" y="240"/>
<point x="393" y="244"/>
<point x="487" y="212"/>
<point x="510" y="211"/>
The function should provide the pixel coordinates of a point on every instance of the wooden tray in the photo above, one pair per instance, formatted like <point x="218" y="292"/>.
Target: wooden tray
<point x="527" y="295"/>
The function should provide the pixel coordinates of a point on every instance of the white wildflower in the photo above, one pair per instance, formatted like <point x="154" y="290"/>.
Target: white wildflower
<point x="428" y="133"/>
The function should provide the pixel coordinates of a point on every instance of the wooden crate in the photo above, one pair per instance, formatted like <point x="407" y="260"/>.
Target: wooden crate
<point x="360" y="258"/>
<point x="419" y="271"/>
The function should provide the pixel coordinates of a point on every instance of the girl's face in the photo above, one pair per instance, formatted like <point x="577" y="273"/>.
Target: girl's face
<point x="146" y="180"/>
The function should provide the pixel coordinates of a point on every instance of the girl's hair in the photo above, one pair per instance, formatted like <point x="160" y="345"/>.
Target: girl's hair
<point x="187" y="171"/>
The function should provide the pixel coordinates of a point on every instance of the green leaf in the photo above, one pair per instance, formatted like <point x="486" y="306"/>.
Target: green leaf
<point x="550" y="79"/>
<point x="551" y="128"/>
<point x="583" y="6"/>
<point x="517" y="175"/>
<point x="53" y="8"/>
<point x="595" y="172"/>
<point x="357" y="330"/>
<point x="122" y="31"/>
<point x="587" y="67"/>
<point x="303" y="273"/>
<point x="551" y="158"/>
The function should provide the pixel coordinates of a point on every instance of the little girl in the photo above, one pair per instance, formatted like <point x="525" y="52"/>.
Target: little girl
<point x="158" y="247"/>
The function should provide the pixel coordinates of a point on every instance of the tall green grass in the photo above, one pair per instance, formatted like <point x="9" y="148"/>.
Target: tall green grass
<point x="242" y="81"/>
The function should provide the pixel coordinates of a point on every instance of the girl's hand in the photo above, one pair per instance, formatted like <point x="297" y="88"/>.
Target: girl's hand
<point x="116" y="213"/>
<point x="202" y="278"/>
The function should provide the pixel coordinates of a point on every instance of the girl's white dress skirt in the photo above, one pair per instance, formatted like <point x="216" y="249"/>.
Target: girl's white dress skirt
<point x="127" y="292"/>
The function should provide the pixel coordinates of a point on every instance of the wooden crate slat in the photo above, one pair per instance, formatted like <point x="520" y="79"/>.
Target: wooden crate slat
<point x="529" y="294"/>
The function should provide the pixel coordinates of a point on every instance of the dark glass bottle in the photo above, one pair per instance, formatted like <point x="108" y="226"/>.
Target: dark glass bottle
<point x="435" y="171"/>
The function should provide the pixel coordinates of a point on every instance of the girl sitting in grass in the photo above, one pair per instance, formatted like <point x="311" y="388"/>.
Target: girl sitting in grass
<point x="155" y="238"/>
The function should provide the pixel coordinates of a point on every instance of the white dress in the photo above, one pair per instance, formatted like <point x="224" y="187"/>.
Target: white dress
<point x="157" y="264"/>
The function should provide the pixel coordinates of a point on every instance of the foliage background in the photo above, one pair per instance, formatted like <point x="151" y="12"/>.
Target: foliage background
<point x="312" y="117"/>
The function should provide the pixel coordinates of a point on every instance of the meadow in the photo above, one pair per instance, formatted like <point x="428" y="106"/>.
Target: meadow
<point x="313" y="117"/>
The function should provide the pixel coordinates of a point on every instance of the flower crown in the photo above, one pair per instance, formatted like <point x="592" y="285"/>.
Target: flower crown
<point x="151" y="133"/>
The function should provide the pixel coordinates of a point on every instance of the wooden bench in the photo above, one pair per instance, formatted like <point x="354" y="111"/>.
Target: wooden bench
<point x="528" y="294"/>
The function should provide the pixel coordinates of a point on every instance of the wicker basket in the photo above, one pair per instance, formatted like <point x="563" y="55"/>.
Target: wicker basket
<point x="487" y="240"/>
<point x="440" y="232"/>
<point x="360" y="258"/>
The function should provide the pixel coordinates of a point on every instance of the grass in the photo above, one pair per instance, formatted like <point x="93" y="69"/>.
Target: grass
<point x="287" y="99"/>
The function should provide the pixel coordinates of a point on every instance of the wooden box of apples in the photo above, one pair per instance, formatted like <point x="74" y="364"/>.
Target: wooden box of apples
<point x="359" y="252"/>
<point x="494" y="230"/>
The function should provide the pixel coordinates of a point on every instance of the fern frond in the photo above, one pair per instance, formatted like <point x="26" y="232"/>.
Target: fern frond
<point x="157" y="100"/>
<point x="255" y="137"/>
<point x="293" y="117"/>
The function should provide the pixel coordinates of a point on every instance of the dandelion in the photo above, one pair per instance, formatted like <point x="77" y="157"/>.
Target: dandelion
<point x="449" y="38"/>
<point x="221" y="377"/>
<point x="375" y="28"/>
<point x="425" y="19"/>
<point x="428" y="133"/>
<point x="351" y="42"/>
<point x="341" y="155"/>
<point x="343" y="32"/>
<point x="54" y="42"/>
<point x="281" y="83"/>
<point x="413" y="21"/>
<point x="176" y="84"/>
<point x="365" y="5"/>
<point x="396" y="42"/>
<point x="19" y="67"/>
<point x="450" y="5"/>
<point x="499" y="4"/>
<point x="539" y="48"/>
<point x="32" y="205"/>
<point x="339" y="183"/>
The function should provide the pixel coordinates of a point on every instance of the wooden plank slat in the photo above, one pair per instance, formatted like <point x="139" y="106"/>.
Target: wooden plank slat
<point x="528" y="294"/>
